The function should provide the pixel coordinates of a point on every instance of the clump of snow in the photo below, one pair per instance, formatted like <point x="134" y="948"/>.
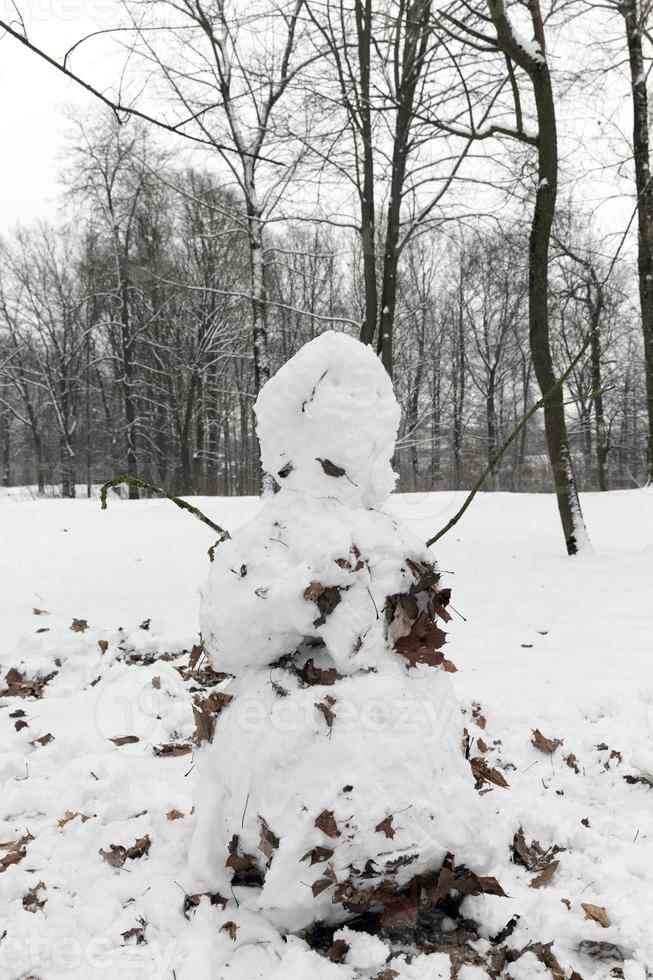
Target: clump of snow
<point x="333" y="747"/>
<point x="331" y="407"/>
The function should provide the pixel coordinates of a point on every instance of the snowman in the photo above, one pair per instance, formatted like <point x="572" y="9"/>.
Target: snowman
<point x="336" y="776"/>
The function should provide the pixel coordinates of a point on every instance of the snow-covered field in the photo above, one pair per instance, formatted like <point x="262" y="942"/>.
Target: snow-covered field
<point x="563" y="646"/>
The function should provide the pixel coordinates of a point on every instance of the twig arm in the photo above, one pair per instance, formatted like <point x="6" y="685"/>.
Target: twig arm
<point x="132" y="481"/>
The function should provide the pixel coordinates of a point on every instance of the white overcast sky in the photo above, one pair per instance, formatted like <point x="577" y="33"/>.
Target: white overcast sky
<point x="33" y="96"/>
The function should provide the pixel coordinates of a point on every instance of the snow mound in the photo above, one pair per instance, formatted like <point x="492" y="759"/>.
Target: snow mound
<point x="327" y="422"/>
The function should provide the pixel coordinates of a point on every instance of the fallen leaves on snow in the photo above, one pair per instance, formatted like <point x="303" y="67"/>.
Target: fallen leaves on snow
<point x="20" y="686"/>
<point x="484" y="773"/>
<point x="543" y="743"/>
<point x="172" y="749"/>
<point x="14" y="851"/>
<point x="597" y="913"/>
<point x="32" y="900"/>
<point x="117" y="854"/>
<point x="422" y="644"/>
<point x="385" y="827"/>
<point x="326" y="822"/>
<point x="206" y="711"/>
<point x="70" y="815"/>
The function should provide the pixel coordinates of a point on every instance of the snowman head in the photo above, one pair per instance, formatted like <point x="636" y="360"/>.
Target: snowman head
<point x="327" y="422"/>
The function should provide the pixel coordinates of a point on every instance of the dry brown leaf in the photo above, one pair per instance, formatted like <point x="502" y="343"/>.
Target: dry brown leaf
<point x="206" y="711"/>
<point x="330" y="468"/>
<point x="320" y="885"/>
<point x="566" y="901"/>
<point x="385" y="827"/>
<point x="40" y="612"/>
<point x="174" y="815"/>
<point x="452" y="878"/>
<point x="269" y="841"/>
<point x="20" y="686"/>
<point x="43" y="739"/>
<point x="230" y="928"/>
<point x="401" y="611"/>
<point x="103" y="645"/>
<point x="545" y="955"/>
<point x="313" y="591"/>
<point x="244" y="866"/>
<point x="310" y="675"/>
<point x="643" y="779"/>
<point x="572" y="762"/>
<point x="532" y="856"/>
<point x="15" y="851"/>
<point x="400" y="913"/>
<point x="325" y="708"/>
<point x="317" y="855"/>
<point x="192" y="901"/>
<point x="70" y="815"/>
<point x="484" y="773"/>
<point x="422" y="644"/>
<point x="449" y="666"/>
<point x="338" y="951"/>
<point x="124" y="739"/>
<point x="136" y="932"/>
<point x="543" y="743"/>
<point x="545" y="876"/>
<point x="327" y="824"/>
<point x="597" y="913"/>
<point x="478" y="716"/>
<point x="79" y="626"/>
<point x="32" y="901"/>
<point x="117" y="854"/>
<point x="325" y="597"/>
<point x="172" y="749"/>
<point x="195" y="656"/>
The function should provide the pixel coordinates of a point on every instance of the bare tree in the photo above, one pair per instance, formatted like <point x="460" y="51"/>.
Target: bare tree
<point x="498" y="36"/>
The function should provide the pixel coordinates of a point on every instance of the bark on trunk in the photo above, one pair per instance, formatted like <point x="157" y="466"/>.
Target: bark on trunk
<point x="641" y="156"/>
<point x="554" y="413"/>
<point x="128" y="380"/>
<point x="599" y="413"/>
<point x="363" y="12"/>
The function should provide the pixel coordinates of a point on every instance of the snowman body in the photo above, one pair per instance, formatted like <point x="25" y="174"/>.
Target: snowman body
<point x="337" y="767"/>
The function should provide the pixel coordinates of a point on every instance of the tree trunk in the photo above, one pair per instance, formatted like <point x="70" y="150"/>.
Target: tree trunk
<point x="363" y="12"/>
<point x="6" y="460"/>
<point x="538" y="312"/>
<point x="126" y="341"/>
<point x="491" y="417"/>
<point x="599" y="414"/>
<point x="638" y="75"/>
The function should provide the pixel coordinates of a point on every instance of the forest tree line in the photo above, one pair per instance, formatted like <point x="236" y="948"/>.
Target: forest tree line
<point x="389" y="169"/>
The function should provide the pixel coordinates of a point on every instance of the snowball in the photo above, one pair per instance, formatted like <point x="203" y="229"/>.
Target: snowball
<point x="365" y="952"/>
<point x="327" y="422"/>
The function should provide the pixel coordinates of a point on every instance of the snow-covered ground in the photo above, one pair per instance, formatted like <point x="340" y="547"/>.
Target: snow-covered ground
<point x="549" y="643"/>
